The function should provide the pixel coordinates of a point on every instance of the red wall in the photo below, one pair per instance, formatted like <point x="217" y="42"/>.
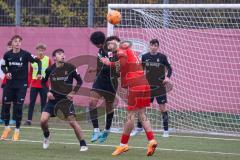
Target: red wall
<point x="75" y="42"/>
<point x="206" y="68"/>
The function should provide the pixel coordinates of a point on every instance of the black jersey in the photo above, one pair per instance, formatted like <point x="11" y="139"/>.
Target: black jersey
<point x="154" y="66"/>
<point x="104" y="70"/>
<point x="61" y="79"/>
<point x="17" y="65"/>
<point x="106" y="77"/>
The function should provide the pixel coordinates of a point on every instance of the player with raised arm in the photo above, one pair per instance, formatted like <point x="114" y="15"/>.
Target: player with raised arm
<point x="155" y="64"/>
<point x="60" y="96"/>
<point x="133" y="79"/>
<point x="104" y="86"/>
<point x="15" y="66"/>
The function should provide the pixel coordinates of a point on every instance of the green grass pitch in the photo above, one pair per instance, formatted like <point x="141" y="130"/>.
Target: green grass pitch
<point x="65" y="146"/>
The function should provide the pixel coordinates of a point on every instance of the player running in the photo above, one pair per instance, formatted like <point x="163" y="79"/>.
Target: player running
<point x="15" y="66"/>
<point x="60" y="97"/>
<point x="133" y="79"/>
<point x="104" y="86"/>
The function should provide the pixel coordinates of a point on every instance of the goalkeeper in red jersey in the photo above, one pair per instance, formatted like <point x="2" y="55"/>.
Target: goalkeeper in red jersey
<point x="134" y="80"/>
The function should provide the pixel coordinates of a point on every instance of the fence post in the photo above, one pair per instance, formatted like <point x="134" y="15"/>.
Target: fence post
<point x="18" y="12"/>
<point x="90" y="12"/>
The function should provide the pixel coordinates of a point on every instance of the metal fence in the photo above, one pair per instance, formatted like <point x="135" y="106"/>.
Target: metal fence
<point x="69" y="13"/>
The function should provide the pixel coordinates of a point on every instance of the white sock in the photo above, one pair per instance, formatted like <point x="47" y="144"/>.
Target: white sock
<point x="139" y="129"/>
<point x="107" y="130"/>
<point x="17" y="130"/>
<point x="7" y="127"/>
<point x="96" y="130"/>
<point x="121" y="144"/>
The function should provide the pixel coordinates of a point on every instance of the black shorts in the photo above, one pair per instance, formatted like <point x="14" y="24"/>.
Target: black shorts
<point x="108" y="96"/>
<point x="159" y="92"/>
<point x="16" y="95"/>
<point x="106" y="89"/>
<point x="61" y="107"/>
<point x="160" y="99"/>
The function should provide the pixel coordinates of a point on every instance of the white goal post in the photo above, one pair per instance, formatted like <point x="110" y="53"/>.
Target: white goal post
<point x="202" y="43"/>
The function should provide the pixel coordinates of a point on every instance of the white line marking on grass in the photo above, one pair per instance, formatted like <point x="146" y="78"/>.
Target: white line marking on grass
<point x="163" y="149"/>
<point x="213" y="138"/>
<point x="181" y="136"/>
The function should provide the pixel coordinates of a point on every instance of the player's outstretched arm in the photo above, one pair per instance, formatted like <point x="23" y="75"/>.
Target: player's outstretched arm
<point x="45" y="80"/>
<point x="78" y="78"/>
<point x="4" y="65"/>
<point x="168" y="67"/>
<point x="32" y="59"/>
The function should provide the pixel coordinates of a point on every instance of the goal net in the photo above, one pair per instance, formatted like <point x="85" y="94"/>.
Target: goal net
<point x="202" y="44"/>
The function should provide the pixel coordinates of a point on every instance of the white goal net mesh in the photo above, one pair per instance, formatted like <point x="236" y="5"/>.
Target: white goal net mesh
<point x="203" y="47"/>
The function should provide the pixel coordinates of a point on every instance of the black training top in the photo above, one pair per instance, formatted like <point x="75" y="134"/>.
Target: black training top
<point x="61" y="79"/>
<point x="106" y="77"/>
<point x="155" y="67"/>
<point x="17" y="65"/>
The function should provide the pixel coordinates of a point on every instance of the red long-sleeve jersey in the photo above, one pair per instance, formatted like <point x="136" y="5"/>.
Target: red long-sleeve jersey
<point x="131" y="70"/>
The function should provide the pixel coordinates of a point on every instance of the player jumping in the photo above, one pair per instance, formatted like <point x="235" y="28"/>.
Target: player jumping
<point x="133" y="79"/>
<point x="104" y="86"/>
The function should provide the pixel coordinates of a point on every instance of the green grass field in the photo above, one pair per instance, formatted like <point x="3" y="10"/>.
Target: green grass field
<point x="65" y="146"/>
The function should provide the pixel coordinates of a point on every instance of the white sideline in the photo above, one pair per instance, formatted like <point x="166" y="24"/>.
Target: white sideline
<point x="181" y="136"/>
<point x="163" y="149"/>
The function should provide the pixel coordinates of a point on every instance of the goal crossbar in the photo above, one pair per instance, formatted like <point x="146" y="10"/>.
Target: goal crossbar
<point x="175" y="6"/>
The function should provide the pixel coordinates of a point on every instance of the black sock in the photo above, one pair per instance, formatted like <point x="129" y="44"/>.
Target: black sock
<point x="139" y="124"/>
<point x="18" y="123"/>
<point x="6" y="121"/>
<point x="82" y="143"/>
<point x="165" y="120"/>
<point x="6" y="113"/>
<point x="46" y="134"/>
<point x="94" y="117"/>
<point x="18" y="114"/>
<point x="109" y="120"/>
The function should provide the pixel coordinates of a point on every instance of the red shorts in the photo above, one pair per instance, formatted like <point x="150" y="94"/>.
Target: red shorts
<point x="138" y="97"/>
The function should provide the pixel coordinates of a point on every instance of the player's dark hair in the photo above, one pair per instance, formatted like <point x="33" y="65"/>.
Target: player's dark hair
<point x="112" y="38"/>
<point x="57" y="51"/>
<point x="15" y="37"/>
<point x="97" y="37"/>
<point x="9" y="43"/>
<point x="154" y="41"/>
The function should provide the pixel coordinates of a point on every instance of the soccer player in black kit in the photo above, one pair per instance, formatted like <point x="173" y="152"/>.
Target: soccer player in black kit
<point x="12" y="121"/>
<point x="105" y="86"/>
<point x="155" y="63"/>
<point x="15" y="66"/>
<point x="60" y="96"/>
